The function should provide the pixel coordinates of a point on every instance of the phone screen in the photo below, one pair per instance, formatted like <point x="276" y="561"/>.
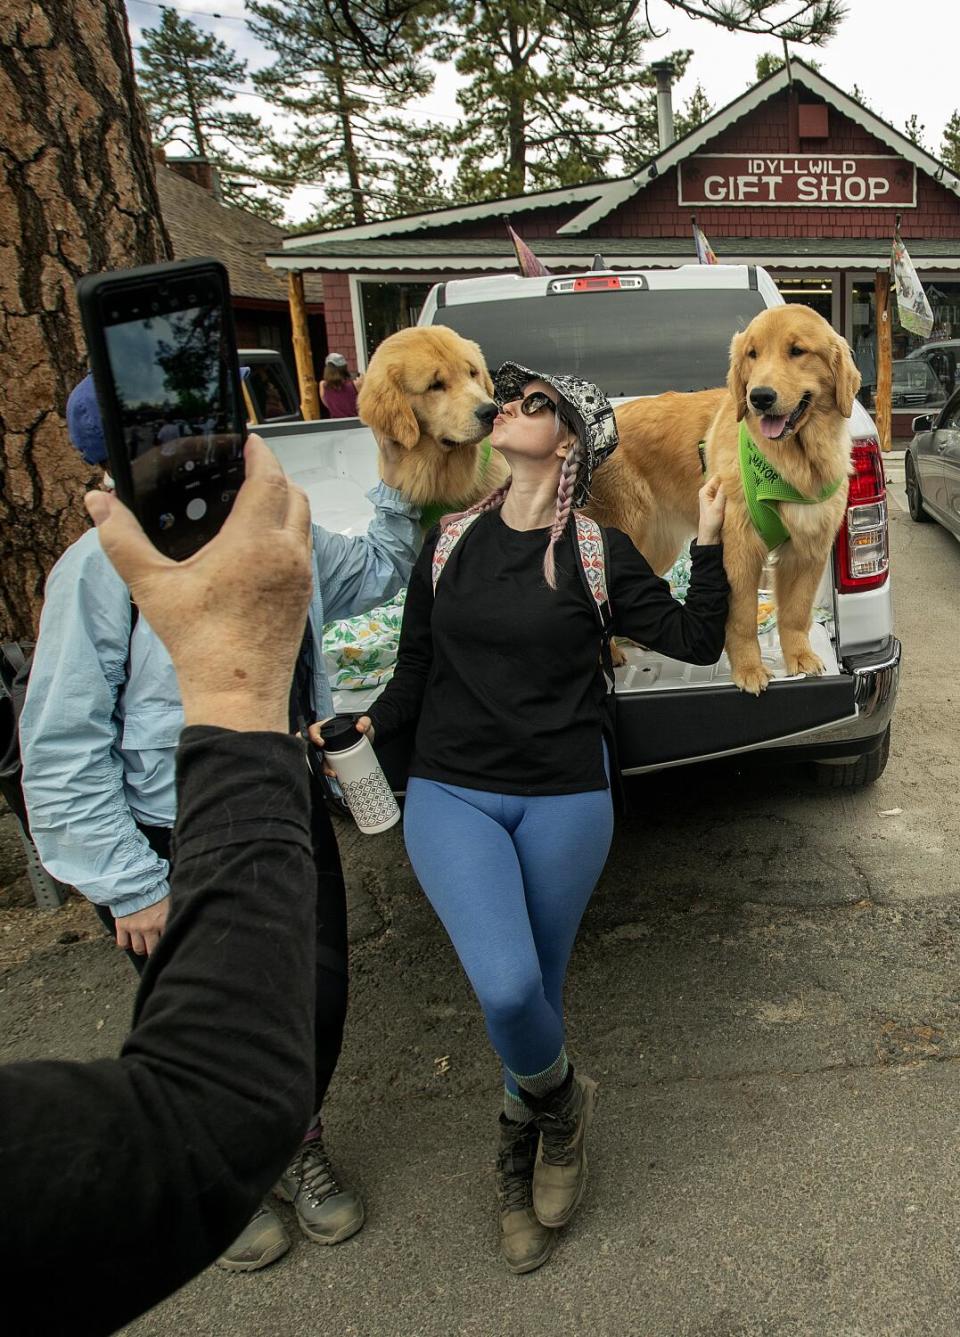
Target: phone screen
<point x="172" y="365"/>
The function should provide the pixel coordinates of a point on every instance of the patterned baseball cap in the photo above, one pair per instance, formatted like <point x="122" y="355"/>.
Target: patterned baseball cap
<point x="582" y="404"/>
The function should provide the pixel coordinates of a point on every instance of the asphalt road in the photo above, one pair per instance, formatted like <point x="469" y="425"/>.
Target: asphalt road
<point x="767" y="987"/>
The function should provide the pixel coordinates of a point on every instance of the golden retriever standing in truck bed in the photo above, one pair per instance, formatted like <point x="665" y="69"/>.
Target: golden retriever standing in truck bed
<point x="790" y="389"/>
<point x="429" y="389"/>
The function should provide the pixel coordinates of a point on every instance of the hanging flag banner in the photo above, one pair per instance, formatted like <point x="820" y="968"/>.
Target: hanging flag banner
<point x="530" y="266"/>
<point x="912" y="305"/>
<point x="706" y="255"/>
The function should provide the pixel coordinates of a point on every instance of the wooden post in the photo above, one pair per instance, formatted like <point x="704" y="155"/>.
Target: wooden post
<point x="309" y="395"/>
<point x="883" y="409"/>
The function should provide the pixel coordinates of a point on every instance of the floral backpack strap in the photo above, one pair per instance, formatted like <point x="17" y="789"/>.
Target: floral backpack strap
<point x="448" y="540"/>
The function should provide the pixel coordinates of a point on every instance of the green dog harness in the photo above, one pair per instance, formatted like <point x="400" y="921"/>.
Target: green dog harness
<point x="763" y="487"/>
<point x="432" y="514"/>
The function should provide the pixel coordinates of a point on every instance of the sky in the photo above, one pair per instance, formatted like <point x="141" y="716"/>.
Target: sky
<point x="895" y="51"/>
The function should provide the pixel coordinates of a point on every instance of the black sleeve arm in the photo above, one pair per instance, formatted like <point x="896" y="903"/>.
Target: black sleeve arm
<point x="125" y="1177"/>
<point x="399" y="703"/>
<point x="645" y="610"/>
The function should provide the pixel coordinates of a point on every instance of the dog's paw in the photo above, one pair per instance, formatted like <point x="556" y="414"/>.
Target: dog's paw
<point x="804" y="661"/>
<point x="752" y="678"/>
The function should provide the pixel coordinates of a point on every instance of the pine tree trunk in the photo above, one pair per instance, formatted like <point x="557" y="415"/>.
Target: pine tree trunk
<point x="78" y="195"/>
<point x="349" y="148"/>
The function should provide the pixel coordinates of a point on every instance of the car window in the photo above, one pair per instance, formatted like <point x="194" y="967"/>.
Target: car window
<point x="271" y="395"/>
<point x="950" y="419"/>
<point x="629" y="342"/>
<point x="915" y="374"/>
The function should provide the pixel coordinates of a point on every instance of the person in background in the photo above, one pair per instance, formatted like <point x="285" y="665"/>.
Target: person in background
<point x="98" y="735"/>
<point x="338" y="390"/>
<point x="508" y="815"/>
<point x="123" y="1178"/>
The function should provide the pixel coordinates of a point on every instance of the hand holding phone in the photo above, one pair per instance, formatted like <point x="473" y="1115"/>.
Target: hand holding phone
<point x="164" y="361"/>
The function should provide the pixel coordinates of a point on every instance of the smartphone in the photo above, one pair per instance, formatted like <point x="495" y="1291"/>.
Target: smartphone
<point x="164" y="360"/>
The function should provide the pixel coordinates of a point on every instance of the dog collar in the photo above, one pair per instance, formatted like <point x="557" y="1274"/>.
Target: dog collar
<point x="433" y="513"/>
<point x="763" y="487"/>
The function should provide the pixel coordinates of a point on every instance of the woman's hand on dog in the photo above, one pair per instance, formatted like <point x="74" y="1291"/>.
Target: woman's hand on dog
<point x="315" y="734"/>
<point x="713" y="503"/>
<point x="391" y="453"/>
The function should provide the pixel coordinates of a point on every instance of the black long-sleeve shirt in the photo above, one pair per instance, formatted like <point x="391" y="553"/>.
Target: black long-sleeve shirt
<point x="504" y="673"/>
<point x="123" y="1178"/>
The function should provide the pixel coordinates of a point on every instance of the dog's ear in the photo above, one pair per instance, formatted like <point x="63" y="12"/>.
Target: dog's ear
<point x="383" y="406"/>
<point x="736" y="381"/>
<point x="846" y="378"/>
<point x="486" y="377"/>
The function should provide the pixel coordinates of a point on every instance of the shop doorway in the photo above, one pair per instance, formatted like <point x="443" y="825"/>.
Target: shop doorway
<point x="813" y="290"/>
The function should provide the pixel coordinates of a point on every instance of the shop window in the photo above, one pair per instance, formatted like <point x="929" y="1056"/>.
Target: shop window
<point x="940" y="352"/>
<point x="388" y="307"/>
<point x="816" y="293"/>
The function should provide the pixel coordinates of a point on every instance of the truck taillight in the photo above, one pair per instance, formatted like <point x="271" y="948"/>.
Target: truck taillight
<point x="861" y="553"/>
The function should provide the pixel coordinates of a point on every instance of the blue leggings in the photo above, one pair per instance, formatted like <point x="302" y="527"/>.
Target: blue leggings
<point x="510" y="878"/>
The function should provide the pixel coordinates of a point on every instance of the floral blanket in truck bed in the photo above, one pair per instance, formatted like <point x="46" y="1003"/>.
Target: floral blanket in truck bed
<point x="360" y="652"/>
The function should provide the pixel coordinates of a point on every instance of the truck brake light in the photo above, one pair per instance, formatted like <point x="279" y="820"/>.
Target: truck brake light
<point x="602" y="283"/>
<point x="862" y="553"/>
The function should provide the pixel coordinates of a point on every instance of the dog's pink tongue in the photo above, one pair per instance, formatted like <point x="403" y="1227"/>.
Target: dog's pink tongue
<point x="772" y="427"/>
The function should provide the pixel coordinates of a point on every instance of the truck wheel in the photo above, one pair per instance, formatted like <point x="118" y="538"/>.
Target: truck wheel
<point x="854" y="774"/>
<point x="914" y="495"/>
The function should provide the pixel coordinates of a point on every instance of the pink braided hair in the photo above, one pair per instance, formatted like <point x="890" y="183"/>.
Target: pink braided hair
<point x="565" y="490"/>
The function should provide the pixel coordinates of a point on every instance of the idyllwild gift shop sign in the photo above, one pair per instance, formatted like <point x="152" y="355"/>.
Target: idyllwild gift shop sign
<point x="815" y="180"/>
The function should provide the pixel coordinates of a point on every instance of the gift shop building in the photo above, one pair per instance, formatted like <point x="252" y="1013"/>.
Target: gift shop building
<point x="794" y="176"/>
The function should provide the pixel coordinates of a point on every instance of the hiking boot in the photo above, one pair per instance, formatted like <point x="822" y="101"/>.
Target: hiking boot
<point x="525" y="1244"/>
<point x="327" y="1212"/>
<point x="262" y="1241"/>
<point x="560" y="1175"/>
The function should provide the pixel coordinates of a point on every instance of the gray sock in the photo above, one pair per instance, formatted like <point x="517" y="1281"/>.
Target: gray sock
<point x="515" y="1109"/>
<point x="540" y="1083"/>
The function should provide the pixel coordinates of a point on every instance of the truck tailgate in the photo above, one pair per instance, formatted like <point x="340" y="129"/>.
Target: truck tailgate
<point x="669" y="713"/>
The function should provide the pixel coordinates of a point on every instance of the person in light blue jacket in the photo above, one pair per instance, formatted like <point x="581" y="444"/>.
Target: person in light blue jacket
<point x="98" y="737"/>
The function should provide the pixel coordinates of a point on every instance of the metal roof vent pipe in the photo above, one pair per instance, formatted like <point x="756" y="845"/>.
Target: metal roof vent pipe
<point x="666" y="134"/>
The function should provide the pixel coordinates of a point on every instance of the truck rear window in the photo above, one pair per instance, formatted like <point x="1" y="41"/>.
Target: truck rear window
<point x="629" y="342"/>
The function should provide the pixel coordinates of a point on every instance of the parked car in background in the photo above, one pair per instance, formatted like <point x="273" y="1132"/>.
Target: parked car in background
<point x="913" y="386"/>
<point x="932" y="467"/>
<point x="943" y="359"/>
<point x="268" y="389"/>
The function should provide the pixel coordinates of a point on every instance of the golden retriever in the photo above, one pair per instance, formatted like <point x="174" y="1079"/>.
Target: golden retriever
<point x="429" y="389"/>
<point x="794" y="381"/>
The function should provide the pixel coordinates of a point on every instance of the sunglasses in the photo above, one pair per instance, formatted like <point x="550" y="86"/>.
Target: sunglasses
<point x="535" y="402"/>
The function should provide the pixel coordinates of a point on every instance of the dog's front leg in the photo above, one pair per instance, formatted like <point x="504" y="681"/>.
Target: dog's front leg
<point x="796" y="578"/>
<point x="743" y="560"/>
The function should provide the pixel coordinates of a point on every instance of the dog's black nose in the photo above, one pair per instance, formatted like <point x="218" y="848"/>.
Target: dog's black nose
<point x="763" y="397"/>
<point x="486" y="413"/>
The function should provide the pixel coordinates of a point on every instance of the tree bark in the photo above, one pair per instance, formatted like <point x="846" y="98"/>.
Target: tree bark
<point x="77" y="195"/>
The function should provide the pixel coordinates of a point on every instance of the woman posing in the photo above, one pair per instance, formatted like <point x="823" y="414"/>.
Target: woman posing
<point x="508" y="814"/>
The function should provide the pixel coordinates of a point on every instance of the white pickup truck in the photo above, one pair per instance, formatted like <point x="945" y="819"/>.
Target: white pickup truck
<point x="640" y="333"/>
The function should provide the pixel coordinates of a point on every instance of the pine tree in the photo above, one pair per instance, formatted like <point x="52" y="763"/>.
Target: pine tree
<point x="858" y="95"/>
<point x="186" y="77"/>
<point x="812" y="24"/>
<point x="555" y="94"/>
<point x="347" y="98"/>
<point x="950" y="150"/>
<point x="70" y="108"/>
<point x="915" y="130"/>
<point x="697" y="109"/>
<point x="770" y="62"/>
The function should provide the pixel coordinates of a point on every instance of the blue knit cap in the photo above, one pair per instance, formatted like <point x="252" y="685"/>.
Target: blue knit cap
<point x="84" y="422"/>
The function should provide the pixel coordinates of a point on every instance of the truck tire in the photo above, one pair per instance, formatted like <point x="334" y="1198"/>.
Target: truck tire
<point x="855" y="774"/>
<point x="914" y="495"/>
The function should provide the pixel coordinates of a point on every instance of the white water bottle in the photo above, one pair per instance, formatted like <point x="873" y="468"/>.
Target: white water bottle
<point x="365" y="789"/>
